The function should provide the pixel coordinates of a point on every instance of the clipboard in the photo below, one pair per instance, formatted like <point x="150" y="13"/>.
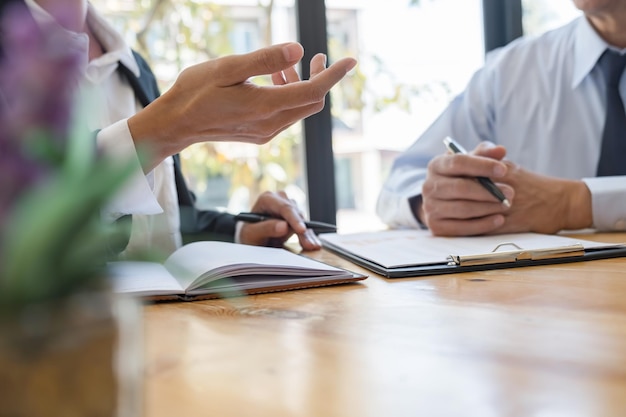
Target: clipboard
<point x="505" y="251"/>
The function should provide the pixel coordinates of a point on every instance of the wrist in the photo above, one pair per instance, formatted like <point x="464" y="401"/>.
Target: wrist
<point x="579" y="214"/>
<point x="150" y="131"/>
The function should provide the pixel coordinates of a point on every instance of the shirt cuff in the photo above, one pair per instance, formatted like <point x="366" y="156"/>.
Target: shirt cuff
<point x="238" y="227"/>
<point x="137" y="195"/>
<point x="608" y="202"/>
<point x="394" y="208"/>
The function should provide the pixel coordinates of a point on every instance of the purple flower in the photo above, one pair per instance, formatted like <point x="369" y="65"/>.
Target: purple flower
<point x="38" y="80"/>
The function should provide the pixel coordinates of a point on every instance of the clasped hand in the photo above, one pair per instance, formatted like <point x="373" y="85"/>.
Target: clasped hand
<point x="455" y="204"/>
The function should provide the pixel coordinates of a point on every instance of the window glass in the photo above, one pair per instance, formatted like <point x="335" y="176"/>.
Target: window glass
<point x="175" y="34"/>
<point x="414" y="57"/>
<point x="412" y="61"/>
<point x="540" y="15"/>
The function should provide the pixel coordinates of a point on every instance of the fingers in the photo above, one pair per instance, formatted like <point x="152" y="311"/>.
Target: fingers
<point x="264" y="130"/>
<point x="275" y="233"/>
<point x="289" y="75"/>
<point x="278" y="78"/>
<point x="461" y="208"/>
<point x="333" y="74"/>
<point x="454" y="177"/>
<point x="490" y="150"/>
<point x="288" y="101"/>
<point x="473" y="227"/>
<point x="309" y="241"/>
<point x="318" y="64"/>
<point x="461" y="165"/>
<point x="312" y="91"/>
<point x="235" y="69"/>
<point x="461" y="217"/>
<point x="277" y="204"/>
<point x="464" y="189"/>
<point x="266" y="233"/>
<point x="214" y="101"/>
<point x="454" y="202"/>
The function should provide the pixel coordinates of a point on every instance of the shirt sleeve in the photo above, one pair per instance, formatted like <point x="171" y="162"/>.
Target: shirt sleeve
<point x="468" y="119"/>
<point x="137" y="196"/>
<point x="238" y="227"/>
<point x="608" y="200"/>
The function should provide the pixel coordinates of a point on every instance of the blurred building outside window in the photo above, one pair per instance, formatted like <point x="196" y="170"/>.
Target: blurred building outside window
<point x="412" y="62"/>
<point x="540" y="16"/>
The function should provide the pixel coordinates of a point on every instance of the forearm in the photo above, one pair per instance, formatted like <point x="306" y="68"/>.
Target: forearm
<point x="152" y="131"/>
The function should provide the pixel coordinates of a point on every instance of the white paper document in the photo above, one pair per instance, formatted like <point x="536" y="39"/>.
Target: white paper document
<point x="407" y="248"/>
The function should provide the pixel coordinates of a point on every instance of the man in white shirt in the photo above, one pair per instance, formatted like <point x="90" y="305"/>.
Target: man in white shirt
<point x="210" y="101"/>
<point x="540" y="103"/>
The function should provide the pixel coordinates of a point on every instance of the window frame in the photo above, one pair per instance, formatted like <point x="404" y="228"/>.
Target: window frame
<point x="502" y="21"/>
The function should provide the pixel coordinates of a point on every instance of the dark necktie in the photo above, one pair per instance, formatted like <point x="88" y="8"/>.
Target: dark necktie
<point x="613" y="154"/>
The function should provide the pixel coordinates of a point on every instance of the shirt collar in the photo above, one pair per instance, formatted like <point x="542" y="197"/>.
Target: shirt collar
<point x="114" y="45"/>
<point x="78" y="41"/>
<point x="588" y="47"/>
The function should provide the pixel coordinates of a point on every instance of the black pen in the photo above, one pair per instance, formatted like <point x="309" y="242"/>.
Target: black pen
<point x="454" y="147"/>
<point x="317" y="227"/>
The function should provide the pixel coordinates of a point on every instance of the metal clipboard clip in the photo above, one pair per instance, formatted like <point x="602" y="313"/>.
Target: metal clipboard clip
<point x="497" y="256"/>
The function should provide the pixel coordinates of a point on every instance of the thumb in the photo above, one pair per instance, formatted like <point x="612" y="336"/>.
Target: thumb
<point x="262" y="232"/>
<point x="235" y="69"/>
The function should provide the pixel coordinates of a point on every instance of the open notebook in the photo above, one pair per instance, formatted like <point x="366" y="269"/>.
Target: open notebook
<point x="213" y="269"/>
<point x="406" y="253"/>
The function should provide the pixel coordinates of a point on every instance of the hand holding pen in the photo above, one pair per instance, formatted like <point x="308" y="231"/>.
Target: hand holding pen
<point x="454" y="202"/>
<point x="273" y="219"/>
<point x="454" y="147"/>
<point x="317" y="227"/>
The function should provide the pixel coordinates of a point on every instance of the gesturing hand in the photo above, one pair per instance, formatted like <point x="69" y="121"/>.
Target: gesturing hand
<point x="215" y="101"/>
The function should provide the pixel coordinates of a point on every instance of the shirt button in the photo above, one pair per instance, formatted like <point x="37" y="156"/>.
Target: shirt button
<point x="620" y="224"/>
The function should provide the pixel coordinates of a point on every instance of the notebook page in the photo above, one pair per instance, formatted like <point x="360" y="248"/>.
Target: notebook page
<point x="200" y="259"/>
<point x="142" y="279"/>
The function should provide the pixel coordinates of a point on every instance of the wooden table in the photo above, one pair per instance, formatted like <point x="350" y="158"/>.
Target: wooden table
<point x="534" y="341"/>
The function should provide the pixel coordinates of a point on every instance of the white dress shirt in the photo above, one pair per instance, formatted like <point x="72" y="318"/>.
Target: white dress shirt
<point x="151" y="199"/>
<point x="543" y="99"/>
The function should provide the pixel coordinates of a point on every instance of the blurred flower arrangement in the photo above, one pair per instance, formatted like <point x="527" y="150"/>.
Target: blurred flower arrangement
<point x="53" y="182"/>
